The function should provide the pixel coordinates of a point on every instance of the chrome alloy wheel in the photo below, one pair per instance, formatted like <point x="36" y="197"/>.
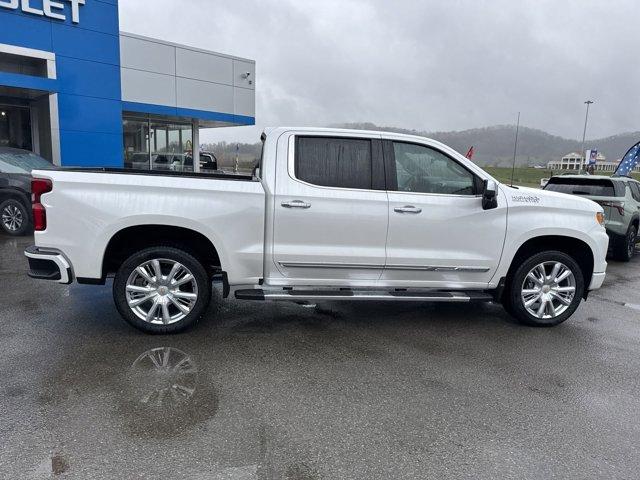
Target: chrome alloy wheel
<point x="161" y="291"/>
<point x="548" y="290"/>
<point x="12" y="218"/>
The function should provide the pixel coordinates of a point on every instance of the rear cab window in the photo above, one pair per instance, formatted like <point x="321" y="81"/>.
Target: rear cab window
<point x="595" y="187"/>
<point x="337" y="162"/>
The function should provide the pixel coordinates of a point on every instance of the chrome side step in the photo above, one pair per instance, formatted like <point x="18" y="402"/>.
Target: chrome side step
<point x="368" y="295"/>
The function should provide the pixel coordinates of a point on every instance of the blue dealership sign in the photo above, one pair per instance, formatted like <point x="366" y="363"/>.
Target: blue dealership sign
<point x="85" y="39"/>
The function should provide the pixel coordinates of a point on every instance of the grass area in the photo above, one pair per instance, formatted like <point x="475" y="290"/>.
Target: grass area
<point x="530" y="177"/>
<point x="525" y="177"/>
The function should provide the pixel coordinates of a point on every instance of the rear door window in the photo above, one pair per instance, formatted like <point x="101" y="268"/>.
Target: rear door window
<point x="635" y="191"/>
<point x="334" y="162"/>
<point x="582" y="186"/>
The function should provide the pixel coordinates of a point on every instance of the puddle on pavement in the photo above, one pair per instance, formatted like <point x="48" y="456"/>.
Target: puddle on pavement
<point x="160" y="393"/>
<point x="163" y="377"/>
<point x="59" y="464"/>
<point x="167" y="394"/>
<point x="53" y="465"/>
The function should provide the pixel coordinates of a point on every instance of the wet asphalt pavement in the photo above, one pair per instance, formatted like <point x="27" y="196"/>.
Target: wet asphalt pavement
<point x="344" y="390"/>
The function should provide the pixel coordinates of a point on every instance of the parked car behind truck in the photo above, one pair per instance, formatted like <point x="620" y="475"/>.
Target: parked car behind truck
<point x="329" y="215"/>
<point x="15" y="188"/>
<point x="620" y="198"/>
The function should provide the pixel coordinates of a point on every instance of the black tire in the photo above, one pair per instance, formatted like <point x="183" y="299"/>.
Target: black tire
<point x="166" y="254"/>
<point x="513" y="302"/>
<point x="624" y="247"/>
<point x="12" y="211"/>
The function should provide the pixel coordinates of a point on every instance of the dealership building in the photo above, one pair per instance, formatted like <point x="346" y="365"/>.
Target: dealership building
<point x="78" y="92"/>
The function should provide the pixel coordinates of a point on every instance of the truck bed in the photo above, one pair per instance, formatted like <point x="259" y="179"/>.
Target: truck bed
<point x="88" y="207"/>
<point x="160" y="173"/>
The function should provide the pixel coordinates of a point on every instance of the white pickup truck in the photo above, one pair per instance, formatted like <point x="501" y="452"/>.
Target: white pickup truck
<point x="328" y="215"/>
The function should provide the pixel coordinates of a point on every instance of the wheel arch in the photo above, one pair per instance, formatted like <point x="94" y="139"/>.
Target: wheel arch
<point x="577" y="249"/>
<point x="17" y="194"/>
<point x="130" y="239"/>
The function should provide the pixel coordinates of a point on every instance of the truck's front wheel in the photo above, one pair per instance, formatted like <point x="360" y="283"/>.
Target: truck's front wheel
<point x="545" y="290"/>
<point x="161" y="290"/>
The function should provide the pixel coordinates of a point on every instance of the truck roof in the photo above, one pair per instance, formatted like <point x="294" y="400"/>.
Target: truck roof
<point x="272" y="130"/>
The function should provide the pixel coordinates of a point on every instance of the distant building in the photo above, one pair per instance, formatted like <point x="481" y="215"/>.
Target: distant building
<point x="571" y="161"/>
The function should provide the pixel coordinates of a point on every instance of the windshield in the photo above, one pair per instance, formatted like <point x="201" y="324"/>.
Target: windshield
<point x="22" y="162"/>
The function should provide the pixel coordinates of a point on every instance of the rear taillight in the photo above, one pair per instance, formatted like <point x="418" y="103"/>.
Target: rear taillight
<point x="39" y="186"/>
<point x="617" y="205"/>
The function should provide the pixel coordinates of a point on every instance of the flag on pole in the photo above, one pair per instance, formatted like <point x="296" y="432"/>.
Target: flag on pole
<point x="470" y="153"/>
<point x="629" y="161"/>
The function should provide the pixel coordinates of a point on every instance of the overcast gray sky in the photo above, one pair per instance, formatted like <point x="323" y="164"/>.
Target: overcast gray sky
<point x="429" y="65"/>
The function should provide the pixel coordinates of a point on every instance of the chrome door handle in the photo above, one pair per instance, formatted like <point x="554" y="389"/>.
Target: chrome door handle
<point x="408" y="209"/>
<point x="296" y="204"/>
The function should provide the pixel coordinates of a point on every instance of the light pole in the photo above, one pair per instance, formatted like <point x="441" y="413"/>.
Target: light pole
<point x="584" y="134"/>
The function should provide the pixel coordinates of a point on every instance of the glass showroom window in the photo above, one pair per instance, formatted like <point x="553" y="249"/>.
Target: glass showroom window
<point x="157" y="145"/>
<point x="136" y="143"/>
<point x="171" y="145"/>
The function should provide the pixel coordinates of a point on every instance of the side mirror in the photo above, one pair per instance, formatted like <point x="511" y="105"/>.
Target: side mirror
<point x="490" y="195"/>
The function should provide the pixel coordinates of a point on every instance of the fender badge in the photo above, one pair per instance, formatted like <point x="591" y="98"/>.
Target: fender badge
<point x="525" y="198"/>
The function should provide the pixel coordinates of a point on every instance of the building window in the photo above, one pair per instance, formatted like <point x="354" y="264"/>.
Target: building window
<point x="157" y="145"/>
<point x="10" y="63"/>
<point x="136" y="144"/>
<point x="15" y="127"/>
<point x="171" y="146"/>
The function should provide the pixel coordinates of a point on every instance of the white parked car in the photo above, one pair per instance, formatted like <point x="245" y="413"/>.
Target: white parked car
<point x="329" y="215"/>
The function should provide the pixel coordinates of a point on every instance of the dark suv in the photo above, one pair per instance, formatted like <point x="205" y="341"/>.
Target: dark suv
<point x="15" y="188"/>
<point x="620" y="198"/>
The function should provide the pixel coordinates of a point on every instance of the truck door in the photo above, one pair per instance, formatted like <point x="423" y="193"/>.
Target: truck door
<point x="439" y="235"/>
<point x="330" y="211"/>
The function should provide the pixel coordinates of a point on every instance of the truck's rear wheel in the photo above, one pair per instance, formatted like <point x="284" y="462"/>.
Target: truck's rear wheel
<point x="161" y="290"/>
<point x="545" y="290"/>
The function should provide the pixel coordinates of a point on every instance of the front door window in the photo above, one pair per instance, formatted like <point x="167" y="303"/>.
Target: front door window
<point x="422" y="169"/>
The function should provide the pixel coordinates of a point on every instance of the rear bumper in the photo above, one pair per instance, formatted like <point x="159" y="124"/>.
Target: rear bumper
<point x="48" y="264"/>
<point x="597" y="279"/>
<point x="616" y="229"/>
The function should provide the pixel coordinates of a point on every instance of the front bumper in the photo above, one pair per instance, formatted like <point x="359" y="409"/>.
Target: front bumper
<point x="48" y="264"/>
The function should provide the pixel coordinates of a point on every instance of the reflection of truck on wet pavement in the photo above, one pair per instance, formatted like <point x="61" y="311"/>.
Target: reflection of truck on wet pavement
<point x="328" y="215"/>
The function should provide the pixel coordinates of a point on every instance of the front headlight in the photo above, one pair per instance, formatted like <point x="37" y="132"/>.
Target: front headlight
<point x="600" y="218"/>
